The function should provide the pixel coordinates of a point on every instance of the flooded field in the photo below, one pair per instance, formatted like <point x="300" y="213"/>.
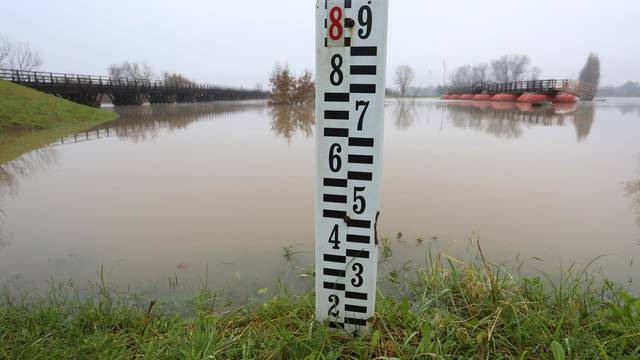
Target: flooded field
<point x="169" y="197"/>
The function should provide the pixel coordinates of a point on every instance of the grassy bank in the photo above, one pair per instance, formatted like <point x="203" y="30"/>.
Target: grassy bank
<point x="30" y="119"/>
<point x="449" y="310"/>
<point x="22" y="108"/>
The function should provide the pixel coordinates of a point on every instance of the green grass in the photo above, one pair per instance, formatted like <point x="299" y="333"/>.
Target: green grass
<point x="445" y="310"/>
<point x="30" y="119"/>
<point x="22" y="108"/>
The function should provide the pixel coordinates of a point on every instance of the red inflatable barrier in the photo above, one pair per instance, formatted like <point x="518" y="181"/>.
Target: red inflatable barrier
<point x="482" y="97"/>
<point x="445" y="97"/>
<point x="533" y="98"/>
<point x="564" y="99"/>
<point x="454" y="97"/>
<point x="466" y="97"/>
<point x="504" y="97"/>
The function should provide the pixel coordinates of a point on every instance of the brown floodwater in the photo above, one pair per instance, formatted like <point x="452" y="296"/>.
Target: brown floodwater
<point x="215" y="193"/>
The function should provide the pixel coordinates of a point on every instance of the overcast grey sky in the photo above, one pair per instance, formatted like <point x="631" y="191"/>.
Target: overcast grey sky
<point x="236" y="42"/>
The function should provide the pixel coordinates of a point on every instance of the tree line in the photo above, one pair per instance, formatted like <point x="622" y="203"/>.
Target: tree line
<point x="628" y="89"/>
<point x="508" y="68"/>
<point x="142" y="71"/>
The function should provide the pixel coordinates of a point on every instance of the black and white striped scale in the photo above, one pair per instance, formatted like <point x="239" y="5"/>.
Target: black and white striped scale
<point x="351" y="43"/>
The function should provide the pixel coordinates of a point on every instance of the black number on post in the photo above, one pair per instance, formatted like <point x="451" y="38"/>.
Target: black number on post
<point x="365" y="21"/>
<point x="358" y="198"/>
<point x="335" y="162"/>
<point x="334" y="300"/>
<point x="359" y="269"/>
<point x="336" y="64"/>
<point x="364" y="111"/>
<point x="333" y="238"/>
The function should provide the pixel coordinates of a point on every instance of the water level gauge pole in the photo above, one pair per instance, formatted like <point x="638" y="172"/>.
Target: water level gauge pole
<point x="351" y="51"/>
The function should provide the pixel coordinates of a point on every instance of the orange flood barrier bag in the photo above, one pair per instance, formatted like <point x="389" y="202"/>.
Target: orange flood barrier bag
<point x="533" y="98"/>
<point x="482" y="97"/>
<point x="563" y="98"/>
<point x="504" y="97"/>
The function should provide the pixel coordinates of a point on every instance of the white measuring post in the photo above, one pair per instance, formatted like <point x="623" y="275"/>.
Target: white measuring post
<point x="351" y="50"/>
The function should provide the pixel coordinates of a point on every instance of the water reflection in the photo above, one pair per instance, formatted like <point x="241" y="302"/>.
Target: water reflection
<point x="12" y="172"/>
<point x="633" y="192"/>
<point x="404" y="114"/>
<point x="583" y="121"/>
<point x="182" y="201"/>
<point x="145" y="123"/>
<point x="286" y="120"/>
<point x="509" y="120"/>
<point x="625" y="106"/>
<point x="24" y="167"/>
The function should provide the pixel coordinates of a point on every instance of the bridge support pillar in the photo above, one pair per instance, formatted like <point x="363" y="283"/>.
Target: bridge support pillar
<point x="120" y="99"/>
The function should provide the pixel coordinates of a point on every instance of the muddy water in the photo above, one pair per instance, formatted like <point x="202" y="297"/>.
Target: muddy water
<point x="169" y="197"/>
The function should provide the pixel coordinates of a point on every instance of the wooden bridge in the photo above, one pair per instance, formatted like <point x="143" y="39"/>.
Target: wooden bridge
<point x="90" y="89"/>
<point x="547" y="87"/>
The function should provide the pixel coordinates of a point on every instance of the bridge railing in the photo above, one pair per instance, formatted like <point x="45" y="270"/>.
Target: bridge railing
<point x="43" y="79"/>
<point x="542" y="86"/>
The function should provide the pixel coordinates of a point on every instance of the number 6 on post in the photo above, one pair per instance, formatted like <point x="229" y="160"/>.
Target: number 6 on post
<point x="351" y="47"/>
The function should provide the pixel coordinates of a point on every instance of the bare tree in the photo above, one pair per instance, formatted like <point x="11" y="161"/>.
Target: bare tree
<point x="500" y="71"/>
<point x="131" y="70"/>
<point x="176" y="80"/>
<point x="480" y="73"/>
<point x="590" y="73"/>
<point x="5" y="51"/>
<point x="519" y="66"/>
<point x="23" y="57"/>
<point x="405" y="77"/>
<point x="511" y="68"/>
<point x="461" y="76"/>
<point x="534" y="73"/>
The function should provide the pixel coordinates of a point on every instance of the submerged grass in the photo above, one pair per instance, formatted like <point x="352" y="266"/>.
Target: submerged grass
<point x="447" y="309"/>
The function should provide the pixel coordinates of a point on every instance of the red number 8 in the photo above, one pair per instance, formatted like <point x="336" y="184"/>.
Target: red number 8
<point x="335" y="30"/>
